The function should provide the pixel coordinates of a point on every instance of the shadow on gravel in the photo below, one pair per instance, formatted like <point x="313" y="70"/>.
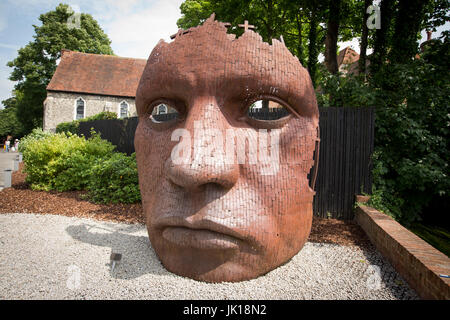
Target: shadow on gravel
<point x="138" y="256"/>
<point x="381" y="274"/>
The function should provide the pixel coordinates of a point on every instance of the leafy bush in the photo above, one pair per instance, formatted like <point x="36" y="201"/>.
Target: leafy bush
<point x="68" y="127"/>
<point x="72" y="126"/>
<point x="114" y="180"/>
<point x="105" y="115"/>
<point x="348" y="91"/>
<point x="35" y="135"/>
<point x="62" y="161"/>
<point x="412" y="140"/>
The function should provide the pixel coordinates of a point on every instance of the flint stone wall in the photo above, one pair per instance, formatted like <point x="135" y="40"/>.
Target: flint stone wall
<point x="60" y="107"/>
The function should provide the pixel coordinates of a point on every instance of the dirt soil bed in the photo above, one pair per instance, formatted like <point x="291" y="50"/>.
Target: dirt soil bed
<point x="21" y="199"/>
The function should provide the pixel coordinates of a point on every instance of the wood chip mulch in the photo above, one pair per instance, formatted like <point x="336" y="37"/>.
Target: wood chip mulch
<point x="21" y="199"/>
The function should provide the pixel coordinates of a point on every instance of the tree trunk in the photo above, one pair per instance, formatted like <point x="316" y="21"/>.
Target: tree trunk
<point x="381" y="36"/>
<point x="364" y="38"/>
<point x="312" y="47"/>
<point x="407" y="26"/>
<point x="332" y="37"/>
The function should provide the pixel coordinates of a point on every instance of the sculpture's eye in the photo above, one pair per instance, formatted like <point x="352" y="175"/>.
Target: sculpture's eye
<point x="163" y="113"/>
<point x="267" y="110"/>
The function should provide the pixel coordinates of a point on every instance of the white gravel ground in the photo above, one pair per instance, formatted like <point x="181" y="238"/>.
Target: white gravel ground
<point x="57" y="257"/>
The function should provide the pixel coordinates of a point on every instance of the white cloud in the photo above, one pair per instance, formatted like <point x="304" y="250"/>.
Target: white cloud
<point x="134" y="26"/>
<point x="3" y="22"/>
<point x="135" y="34"/>
<point x="3" y="17"/>
<point x="9" y="46"/>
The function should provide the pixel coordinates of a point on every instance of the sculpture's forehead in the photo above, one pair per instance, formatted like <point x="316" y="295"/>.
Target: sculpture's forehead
<point x="211" y="55"/>
<point x="210" y="61"/>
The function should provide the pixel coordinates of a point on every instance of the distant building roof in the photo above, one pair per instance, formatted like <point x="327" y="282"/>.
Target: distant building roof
<point x="97" y="74"/>
<point x="347" y="56"/>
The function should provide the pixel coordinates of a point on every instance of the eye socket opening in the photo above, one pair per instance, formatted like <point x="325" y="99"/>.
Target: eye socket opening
<point x="163" y="112"/>
<point x="267" y="110"/>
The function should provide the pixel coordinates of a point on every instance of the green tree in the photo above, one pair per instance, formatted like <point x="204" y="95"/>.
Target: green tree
<point x="332" y="35"/>
<point x="408" y="25"/>
<point x="8" y="119"/>
<point x="35" y="63"/>
<point x="364" y="37"/>
<point x="383" y="35"/>
<point x="412" y="135"/>
<point x="269" y="17"/>
<point x="437" y="13"/>
<point x="194" y="12"/>
<point x="298" y="22"/>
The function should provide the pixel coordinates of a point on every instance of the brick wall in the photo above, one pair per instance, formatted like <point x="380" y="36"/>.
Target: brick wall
<point x="415" y="260"/>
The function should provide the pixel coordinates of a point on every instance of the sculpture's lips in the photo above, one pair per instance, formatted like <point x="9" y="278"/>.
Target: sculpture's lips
<point x="201" y="234"/>
<point x="199" y="238"/>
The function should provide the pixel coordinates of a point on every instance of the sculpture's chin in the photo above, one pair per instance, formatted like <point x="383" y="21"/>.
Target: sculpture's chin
<point x="227" y="263"/>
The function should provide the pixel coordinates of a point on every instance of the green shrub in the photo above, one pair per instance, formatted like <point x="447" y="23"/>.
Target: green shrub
<point x="345" y="91"/>
<point x="61" y="161"/>
<point x="72" y="126"/>
<point x="35" y="135"/>
<point x="114" y="180"/>
<point x="68" y="127"/>
<point x="105" y="115"/>
<point x="65" y="161"/>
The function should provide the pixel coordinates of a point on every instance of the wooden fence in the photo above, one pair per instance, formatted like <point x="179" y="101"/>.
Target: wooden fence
<point x="345" y="163"/>
<point x="345" y="166"/>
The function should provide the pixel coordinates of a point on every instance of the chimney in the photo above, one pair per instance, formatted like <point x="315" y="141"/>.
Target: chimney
<point x="429" y="35"/>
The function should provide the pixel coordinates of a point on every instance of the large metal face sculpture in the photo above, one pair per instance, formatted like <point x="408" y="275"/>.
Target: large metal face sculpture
<point x="225" y="194"/>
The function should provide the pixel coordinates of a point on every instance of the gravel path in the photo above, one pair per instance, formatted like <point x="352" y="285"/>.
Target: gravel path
<point x="57" y="257"/>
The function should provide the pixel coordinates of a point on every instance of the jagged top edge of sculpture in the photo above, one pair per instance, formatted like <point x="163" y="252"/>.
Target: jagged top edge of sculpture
<point x="231" y="37"/>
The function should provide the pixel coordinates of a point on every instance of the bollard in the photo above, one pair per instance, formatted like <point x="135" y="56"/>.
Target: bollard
<point x="20" y="157"/>
<point x="7" y="174"/>
<point x="16" y="165"/>
<point x="115" y="257"/>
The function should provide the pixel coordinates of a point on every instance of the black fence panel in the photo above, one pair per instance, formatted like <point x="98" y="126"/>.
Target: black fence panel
<point x="346" y="146"/>
<point x="165" y="116"/>
<point x="345" y="163"/>
<point x="120" y="132"/>
<point x="268" y="113"/>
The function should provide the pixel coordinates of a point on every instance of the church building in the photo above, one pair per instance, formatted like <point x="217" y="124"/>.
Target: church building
<point x="85" y="84"/>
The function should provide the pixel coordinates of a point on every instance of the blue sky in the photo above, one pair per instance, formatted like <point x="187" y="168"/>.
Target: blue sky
<point x="134" y="26"/>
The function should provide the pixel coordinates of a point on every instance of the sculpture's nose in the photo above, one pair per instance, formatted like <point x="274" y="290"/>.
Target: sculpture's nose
<point x="208" y="162"/>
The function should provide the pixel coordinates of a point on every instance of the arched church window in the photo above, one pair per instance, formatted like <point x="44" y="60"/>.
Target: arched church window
<point x="123" y="110"/>
<point x="80" y="109"/>
<point x="162" y="109"/>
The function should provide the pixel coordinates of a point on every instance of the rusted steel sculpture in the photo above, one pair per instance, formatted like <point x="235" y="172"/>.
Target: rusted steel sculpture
<point x="226" y="196"/>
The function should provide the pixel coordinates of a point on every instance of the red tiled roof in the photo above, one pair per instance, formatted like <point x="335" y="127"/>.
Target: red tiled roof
<point x="97" y="74"/>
